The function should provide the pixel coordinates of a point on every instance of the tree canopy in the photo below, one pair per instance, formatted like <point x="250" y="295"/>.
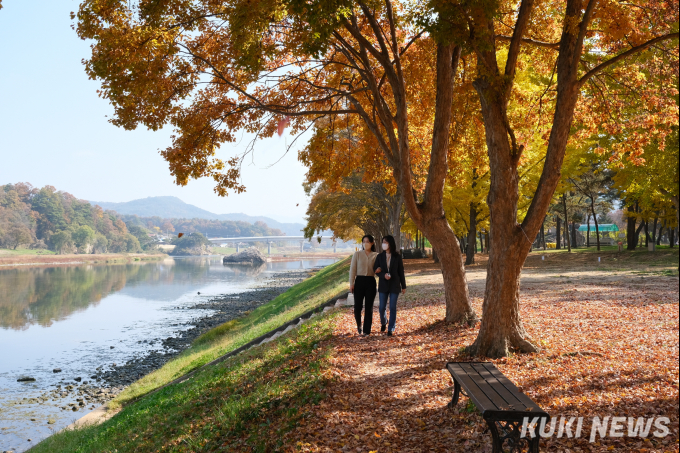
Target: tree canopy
<point x="406" y="81"/>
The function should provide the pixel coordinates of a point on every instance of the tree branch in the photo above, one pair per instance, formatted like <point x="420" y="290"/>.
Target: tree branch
<point x="436" y="176"/>
<point x="523" y="17"/>
<point x="624" y="55"/>
<point x="533" y="42"/>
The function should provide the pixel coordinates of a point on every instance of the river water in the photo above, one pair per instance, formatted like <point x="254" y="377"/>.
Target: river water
<point x="78" y="318"/>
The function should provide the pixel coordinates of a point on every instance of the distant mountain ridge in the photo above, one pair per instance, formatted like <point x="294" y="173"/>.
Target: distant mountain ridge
<point x="173" y="208"/>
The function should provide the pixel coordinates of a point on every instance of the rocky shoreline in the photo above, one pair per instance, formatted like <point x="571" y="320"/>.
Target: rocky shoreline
<point x="105" y="382"/>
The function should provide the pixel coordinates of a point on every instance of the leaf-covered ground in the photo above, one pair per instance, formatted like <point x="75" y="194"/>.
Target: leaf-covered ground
<point x="609" y="346"/>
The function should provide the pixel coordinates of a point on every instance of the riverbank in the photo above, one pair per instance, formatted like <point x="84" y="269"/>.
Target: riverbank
<point x="309" y="293"/>
<point x="222" y="309"/>
<point x="50" y="259"/>
<point x="112" y="322"/>
<point x="108" y="381"/>
<point x="228" y="336"/>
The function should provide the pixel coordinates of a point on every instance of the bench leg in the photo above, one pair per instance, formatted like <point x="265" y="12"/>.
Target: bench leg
<point x="507" y="438"/>
<point x="456" y="394"/>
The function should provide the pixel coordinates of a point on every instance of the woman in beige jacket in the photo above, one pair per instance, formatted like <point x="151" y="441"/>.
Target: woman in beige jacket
<point x="362" y="283"/>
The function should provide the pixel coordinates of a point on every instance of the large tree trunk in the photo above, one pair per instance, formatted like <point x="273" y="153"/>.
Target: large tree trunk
<point x="472" y="236"/>
<point x="543" y="233"/>
<point x="501" y="328"/>
<point x="658" y="236"/>
<point x="671" y="237"/>
<point x="631" y="237"/>
<point x="429" y="215"/>
<point x="597" y="228"/>
<point x="656" y="221"/>
<point x="646" y="234"/>
<point x="566" y="221"/>
<point x="637" y="233"/>
<point x="676" y="202"/>
<point x="394" y="217"/>
<point x="458" y="308"/>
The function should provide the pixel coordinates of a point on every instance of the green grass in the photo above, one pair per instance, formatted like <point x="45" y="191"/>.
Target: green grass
<point x="327" y="283"/>
<point x="247" y="403"/>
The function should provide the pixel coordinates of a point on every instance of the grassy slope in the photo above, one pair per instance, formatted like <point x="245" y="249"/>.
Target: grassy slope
<point x="246" y="403"/>
<point x="324" y="285"/>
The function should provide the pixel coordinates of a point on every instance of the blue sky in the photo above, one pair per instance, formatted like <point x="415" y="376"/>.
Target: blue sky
<point x="53" y="128"/>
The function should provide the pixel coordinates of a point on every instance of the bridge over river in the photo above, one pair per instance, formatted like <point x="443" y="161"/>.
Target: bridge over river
<point x="237" y="242"/>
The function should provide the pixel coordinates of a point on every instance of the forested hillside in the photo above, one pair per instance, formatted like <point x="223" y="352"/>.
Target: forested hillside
<point x="46" y="218"/>
<point x="207" y="227"/>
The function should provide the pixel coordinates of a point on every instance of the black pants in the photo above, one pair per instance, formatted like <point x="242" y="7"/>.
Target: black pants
<point x="364" y="289"/>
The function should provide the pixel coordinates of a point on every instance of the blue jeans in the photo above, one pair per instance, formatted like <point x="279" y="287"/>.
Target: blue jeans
<point x="393" y="309"/>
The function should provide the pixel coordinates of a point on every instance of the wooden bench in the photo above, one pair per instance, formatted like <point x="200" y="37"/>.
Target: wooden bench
<point x="501" y="403"/>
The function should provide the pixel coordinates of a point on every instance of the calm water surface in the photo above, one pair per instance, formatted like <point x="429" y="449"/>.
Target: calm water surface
<point x="70" y="318"/>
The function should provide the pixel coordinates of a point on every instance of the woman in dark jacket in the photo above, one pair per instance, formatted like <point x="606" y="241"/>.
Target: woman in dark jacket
<point x="389" y="267"/>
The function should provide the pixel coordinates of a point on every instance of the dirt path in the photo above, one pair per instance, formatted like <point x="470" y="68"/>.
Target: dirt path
<point x="609" y="346"/>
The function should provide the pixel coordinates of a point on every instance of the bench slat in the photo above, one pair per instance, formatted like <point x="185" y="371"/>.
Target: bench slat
<point x="508" y="384"/>
<point x="498" y="401"/>
<point x="493" y="393"/>
<point x="471" y="388"/>
<point x="510" y="400"/>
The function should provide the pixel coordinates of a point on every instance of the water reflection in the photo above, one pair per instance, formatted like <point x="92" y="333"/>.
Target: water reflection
<point x="43" y="295"/>
<point x="248" y="271"/>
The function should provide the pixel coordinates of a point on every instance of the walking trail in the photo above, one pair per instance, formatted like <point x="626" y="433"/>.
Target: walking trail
<point x="608" y="346"/>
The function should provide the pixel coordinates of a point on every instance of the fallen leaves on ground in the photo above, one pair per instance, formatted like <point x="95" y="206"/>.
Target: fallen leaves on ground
<point x="608" y="348"/>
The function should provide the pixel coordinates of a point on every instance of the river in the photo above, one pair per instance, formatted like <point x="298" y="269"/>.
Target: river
<point x="80" y="318"/>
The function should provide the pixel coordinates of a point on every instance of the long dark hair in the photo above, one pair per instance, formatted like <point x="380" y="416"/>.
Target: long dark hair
<point x="371" y="239"/>
<point x="393" y="245"/>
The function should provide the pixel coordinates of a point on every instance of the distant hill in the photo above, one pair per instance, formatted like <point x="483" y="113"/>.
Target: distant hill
<point x="165" y="207"/>
<point x="174" y="208"/>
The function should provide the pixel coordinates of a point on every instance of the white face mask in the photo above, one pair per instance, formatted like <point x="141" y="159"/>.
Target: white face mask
<point x="367" y="246"/>
<point x="386" y="247"/>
